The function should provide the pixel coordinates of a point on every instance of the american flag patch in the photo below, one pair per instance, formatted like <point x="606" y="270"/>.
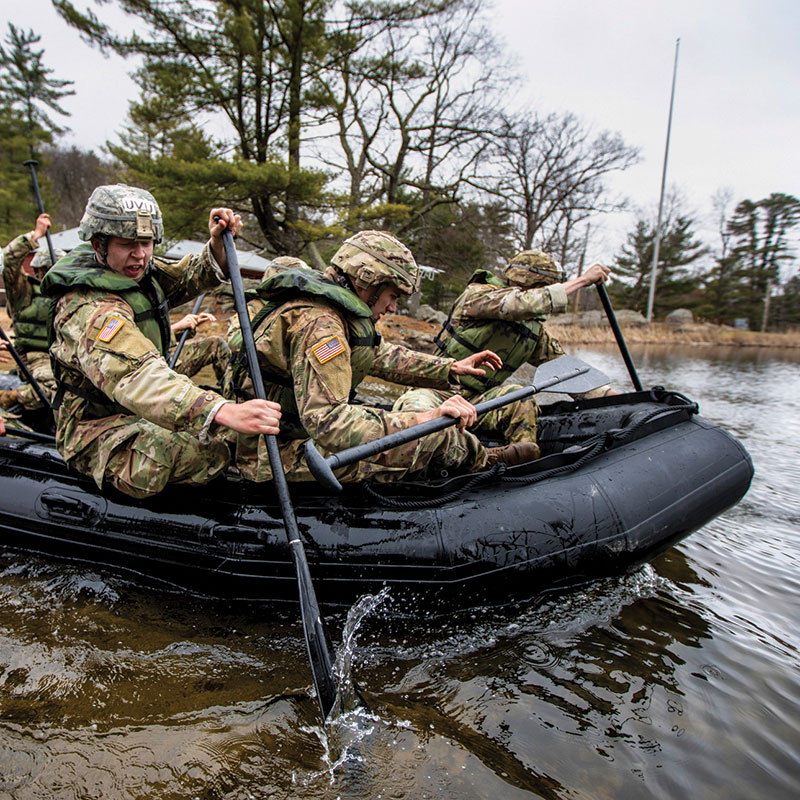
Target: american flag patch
<point x="325" y="351"/>
<point x="111" y="329"/>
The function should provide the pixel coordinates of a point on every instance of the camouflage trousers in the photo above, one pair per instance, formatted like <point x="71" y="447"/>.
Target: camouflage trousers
<point x="42" y="372"/>
<point x="443" y="450"/>
<point x="513" y="423"/>
<point x="198" y="353"/>
<point x="140" y="458"/>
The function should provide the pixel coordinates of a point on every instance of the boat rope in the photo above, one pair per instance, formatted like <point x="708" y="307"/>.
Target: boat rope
<point x="478" y="479"/>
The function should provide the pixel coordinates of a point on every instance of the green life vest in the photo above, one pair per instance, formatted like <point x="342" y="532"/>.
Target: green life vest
<point x="30" y="324"/>
<point x="515" y="342"/>
<point x="80" y="270"/>
<point x="294" y="284"/>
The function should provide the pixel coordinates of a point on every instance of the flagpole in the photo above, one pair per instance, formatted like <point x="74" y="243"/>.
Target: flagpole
<point x="657" y="244"/>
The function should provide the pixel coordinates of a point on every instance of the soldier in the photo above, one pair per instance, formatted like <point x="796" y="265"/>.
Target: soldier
<point x="507" y="316"/>
<point x="202" y="351"/>
<point x="316" y="341"/>
<point x="27" y="307"/>
<point x="122" y="415"/>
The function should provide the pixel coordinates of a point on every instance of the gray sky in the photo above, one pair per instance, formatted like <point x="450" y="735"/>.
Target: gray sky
<point x="736" y="121"/>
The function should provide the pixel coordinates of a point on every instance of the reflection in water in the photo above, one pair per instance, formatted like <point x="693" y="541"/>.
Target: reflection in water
<point x="668" y="682"/>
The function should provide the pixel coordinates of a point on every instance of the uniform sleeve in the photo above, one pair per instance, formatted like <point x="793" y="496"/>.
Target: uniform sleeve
<point x="320" y="364"/>
<point x="123" y="363"/>
<point x="512" y="303"/>
<point x="18" y="289"/>
<point x="398" y="364"/>
<point x="185" y="279"/>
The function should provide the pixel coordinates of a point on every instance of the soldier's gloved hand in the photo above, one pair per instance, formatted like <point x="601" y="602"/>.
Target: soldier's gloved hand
<point x="254" y="416"/>
<point x="455" y="406"/>
<point x="471" y="364"/>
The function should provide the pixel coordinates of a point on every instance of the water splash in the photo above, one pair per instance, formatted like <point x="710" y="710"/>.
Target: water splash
<point x="344" y="731"/>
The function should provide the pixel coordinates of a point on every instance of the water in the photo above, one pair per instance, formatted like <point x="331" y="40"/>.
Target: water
<point x="680" y="680"/>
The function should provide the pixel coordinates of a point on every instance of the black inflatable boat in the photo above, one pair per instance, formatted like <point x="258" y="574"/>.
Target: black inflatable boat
<point x="621" y="479"/>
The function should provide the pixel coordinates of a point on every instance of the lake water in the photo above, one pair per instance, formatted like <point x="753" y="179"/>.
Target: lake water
<point x="681" y="680"/>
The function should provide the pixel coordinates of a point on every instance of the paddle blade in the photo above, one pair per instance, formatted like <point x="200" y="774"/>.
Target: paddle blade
<point x="564" y="366"/>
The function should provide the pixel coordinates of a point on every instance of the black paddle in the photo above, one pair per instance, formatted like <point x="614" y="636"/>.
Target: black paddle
<point x="174" y="357"/>
<point x="623" y="348"/>
<point x="316" y="641"/>
<point x="573" y="375"/>
<point x="35" y="435"/>
<point x="24" y="369"/>
<point x="37" y="194"/>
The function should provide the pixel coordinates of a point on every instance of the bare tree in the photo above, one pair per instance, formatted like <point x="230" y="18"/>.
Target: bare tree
<point x="550" y="172"/>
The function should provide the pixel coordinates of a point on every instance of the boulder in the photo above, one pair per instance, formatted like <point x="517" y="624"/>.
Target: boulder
<point x="429" y="314"/>
<point x="680" y="316"/>
<point x="592" y="319"/>
<point x="632" y="319"/>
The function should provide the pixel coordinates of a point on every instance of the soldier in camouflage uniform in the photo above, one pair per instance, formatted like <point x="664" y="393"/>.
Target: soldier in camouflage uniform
<point x="27" y="307"/>
<point x="507" y="316"/>
<point x="316" y="341"/>
<point x="122" y="415"/>
<point x="202" y="351"/>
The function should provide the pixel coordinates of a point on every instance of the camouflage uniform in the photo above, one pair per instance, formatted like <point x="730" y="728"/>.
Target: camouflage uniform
<point x="314" y="348"/>
<point x="126" y="418"/>
<point x="506" y="316"/>
<point x="28" y="309"/>
<point x="204" y="351"/>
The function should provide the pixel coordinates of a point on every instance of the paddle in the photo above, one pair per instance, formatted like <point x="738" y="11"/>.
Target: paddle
<point x="174" y="357"/>
<point x="623" y="348"/>
<point x="24" y="369"/>
<point x="316" y="641"/>
<point x="35" y="435"/>
<point x="33" y="164"/>
<point x="571" y="374"/>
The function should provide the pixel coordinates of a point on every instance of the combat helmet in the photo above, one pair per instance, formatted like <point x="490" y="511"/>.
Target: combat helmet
<point x="290" y="262"/>
<point x="533" y="268"/>
<point x="123" y="211"/>
<point x="41" y="258"/>
<point x="371" y="258"/>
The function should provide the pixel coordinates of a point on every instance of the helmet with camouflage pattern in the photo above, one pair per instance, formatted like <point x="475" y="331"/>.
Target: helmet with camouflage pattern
<point x="41" y="258"/>
<point x="290" y="262"/>
<point x="124" y="211"/>
<point x="533" y="268"/>
<point x="371" y="258"/>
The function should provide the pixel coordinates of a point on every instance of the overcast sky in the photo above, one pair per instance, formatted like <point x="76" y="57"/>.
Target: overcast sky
<point x="736" y="121"/>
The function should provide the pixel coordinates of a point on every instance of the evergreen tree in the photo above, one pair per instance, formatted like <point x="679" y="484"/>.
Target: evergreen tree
<point x="676" y="284"/>
<point x="759" y="232"/>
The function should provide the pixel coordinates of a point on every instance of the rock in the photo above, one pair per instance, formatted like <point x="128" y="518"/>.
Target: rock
<point x="680" y="316"/>
<point x="632" y="319"/>
<point x="429" y="314"/>
<point x="592" y="319"/>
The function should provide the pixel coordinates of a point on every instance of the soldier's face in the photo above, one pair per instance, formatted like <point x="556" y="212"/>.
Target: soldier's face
<point x="129" y="257"/>
<point x="386" y="302"/>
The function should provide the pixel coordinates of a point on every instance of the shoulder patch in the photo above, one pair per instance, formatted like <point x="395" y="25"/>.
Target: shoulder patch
<point x="111" y="329"/>
<point x="325" y="351"/>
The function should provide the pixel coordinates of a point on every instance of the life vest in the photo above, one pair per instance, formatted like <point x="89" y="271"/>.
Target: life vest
<point x="30" y="324"/>
<point x="80" y="270"/>
<point x="515" y="342"/>
<point x="293" y="287"/>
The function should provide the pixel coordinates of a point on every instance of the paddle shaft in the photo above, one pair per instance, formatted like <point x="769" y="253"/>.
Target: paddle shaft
<point x="38" y="195"/>
<point x="185" y="335"/>
<point x="623" y="348"/>
<point x="24" y="369"/>
<point x="362" y="451"/>
<point x="34" y="435"/>
<point x="316" y="643"/>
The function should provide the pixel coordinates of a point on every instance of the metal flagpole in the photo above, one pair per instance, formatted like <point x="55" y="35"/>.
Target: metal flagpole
<point x="657" y="244"/>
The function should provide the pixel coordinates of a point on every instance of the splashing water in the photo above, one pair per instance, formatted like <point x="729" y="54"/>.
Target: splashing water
<point x="344" y="731"/>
